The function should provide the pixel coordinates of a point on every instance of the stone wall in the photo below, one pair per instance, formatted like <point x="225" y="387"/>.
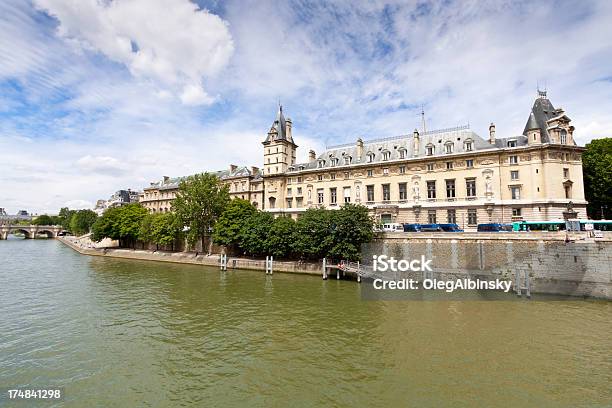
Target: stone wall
<point x="580" y="267"/>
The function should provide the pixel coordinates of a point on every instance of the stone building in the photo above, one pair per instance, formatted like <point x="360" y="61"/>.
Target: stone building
<point x="119" y="198"/>
<point x="243" y="182"/>
<point x="449" y="175"/>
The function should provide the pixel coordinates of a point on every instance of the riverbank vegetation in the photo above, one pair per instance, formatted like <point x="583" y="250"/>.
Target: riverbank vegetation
<point x="78" y="222"/>
<point x="203" y="212"/>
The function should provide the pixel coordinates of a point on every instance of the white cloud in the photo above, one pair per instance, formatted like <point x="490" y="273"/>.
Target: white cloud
<point x="172" y="42"/>
<point x="101" y="164"/>
<point x="77" y="205"/>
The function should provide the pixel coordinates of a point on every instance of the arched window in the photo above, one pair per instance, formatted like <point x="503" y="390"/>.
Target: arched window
<point x="430" y="149"/>
<point x="334" y="161"/>
<point x="448" y="147"/>
<point x="370" y="157"/>
<point x="321" y="163"/>
<point x="386" y="155"/>
<point x="347" y="159"/>
<point x="563" y="137"/>
<point x="272" y="201"/>
<point x="402" y="153"/>
<point x="469" y="145"/>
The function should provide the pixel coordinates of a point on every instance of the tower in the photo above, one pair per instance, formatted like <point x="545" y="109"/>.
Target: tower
<point x="279" y="148"/>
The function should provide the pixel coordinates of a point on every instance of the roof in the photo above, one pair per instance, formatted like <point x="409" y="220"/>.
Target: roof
<point x="393" y="146"/>
<point x="238" y="171"/>
<point x="542" y="112"/>
<point x="278" y="131"/>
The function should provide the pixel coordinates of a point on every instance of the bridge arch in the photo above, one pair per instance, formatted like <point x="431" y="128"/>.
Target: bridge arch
<point x="25" y="231"/>
<point x="48" y="233"/>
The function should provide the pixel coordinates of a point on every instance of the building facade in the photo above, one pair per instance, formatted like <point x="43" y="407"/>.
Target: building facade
<point x="119" y="198"/>
<point x="449" y="175"/>
<point x="243" y="182"/>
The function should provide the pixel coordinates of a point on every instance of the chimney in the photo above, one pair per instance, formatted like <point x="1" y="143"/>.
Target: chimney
<point x="166" y="178"/>
<point x="312" y="156"/>
<point x="359" y="148"/>
<point x="254" y="170"/>
<point x="233" y="168"/>
<point x="288" y="129"/>
<point x="416" y="143"/>
<point x="492" y="133"/>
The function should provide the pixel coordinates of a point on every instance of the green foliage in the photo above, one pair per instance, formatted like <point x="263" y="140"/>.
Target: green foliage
<point x="121" y="223"/>
<point x="200" y="201"/>
<point x="352" y="227"/>
<point x="160" y="229"/>
<point x="279" y="242"/>
<point x="256" y="230"/>
<point x="81" y="221"/>
<point x="65" y="216"/>
<point x="597" y="170"/>
<point x="231" y="224"/>
<point x="314" y="233"/>
<point x="46" y="220"/>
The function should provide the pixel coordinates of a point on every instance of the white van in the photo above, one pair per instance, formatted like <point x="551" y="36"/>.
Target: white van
<point x="393" y="227"/>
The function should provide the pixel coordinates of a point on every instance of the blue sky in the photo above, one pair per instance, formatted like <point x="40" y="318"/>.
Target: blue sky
<point x="98" y="95"/>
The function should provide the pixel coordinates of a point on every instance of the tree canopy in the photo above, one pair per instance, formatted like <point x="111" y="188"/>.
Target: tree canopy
<point x="81" y="221"/>
<point x="597" y="170"/>
<point x="120" y="223"/>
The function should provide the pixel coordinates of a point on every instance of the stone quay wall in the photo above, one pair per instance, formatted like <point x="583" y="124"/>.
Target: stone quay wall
<point x="581" y="266"/>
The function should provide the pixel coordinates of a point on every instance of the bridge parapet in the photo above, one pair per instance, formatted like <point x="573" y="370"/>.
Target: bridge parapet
<point x="30" y="231"/>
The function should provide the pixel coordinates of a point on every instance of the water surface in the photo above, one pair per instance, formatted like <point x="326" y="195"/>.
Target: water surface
<point x="117" y="333"/>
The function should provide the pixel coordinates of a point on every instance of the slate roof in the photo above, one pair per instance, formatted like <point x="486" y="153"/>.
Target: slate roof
<point x="173" y="183"/>
<point x="278" y="131"/>
<point x="541" y="112"/>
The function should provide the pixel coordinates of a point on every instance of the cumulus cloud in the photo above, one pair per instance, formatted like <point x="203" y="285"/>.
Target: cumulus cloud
<point x="172" y="42"/>
<point x="101" y="164"/>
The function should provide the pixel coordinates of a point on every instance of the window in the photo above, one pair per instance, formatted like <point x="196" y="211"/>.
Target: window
<point x="347" y="159"/>
<point x="563" y="136"/>
<point x="448" y="148"/>
<point x="320" y="195"/>
<point x="321" y="163"/>
<point x="332" y="176"/>
<point x="431" y="216"/>
<point x="386" y="155"/>
<point x="299" y="202"/>
<point x="385" y="171"/>
<point x="515" y="191"/>
<point x="402" y="153"/>
<point x="320" y="177"/>
<point x="568" y="191"/>
<point x="370" y="173"/>
<point x="299" y="179"/>
<point x="513" y="159"/>
<point x="450" y="188"/>
<point x="511" y="143"/>
<point x="514" y="175"/>
<point x="347" y="194"/>
<point x="566" y="173"/>
<point x="403" y="195"/>
<point x="402" y="169"/>
<point x="468" y="146"/>
<point x="370" y="192"/>
<point x="472" y="217"/>
<point x="334" y="161"/>
<point x="347" y="174"/>
<point x="430" y="149"/>
<point x="469" y="163"/>
<point x="470" y="187"/>
<point x="289" y="192"/>
<point x="431" y="189"/>
<point x="333" y="195"/>
<point x="370" y="157"/>
<point x="451" y="216"/>
<point x="289" y="202"/>
<point x="299" y="191"/>
<point x="449" y="165"/>
<point x="516" y="212"/>
<point x="386" y="192"/>
<point x="430" y="167"/>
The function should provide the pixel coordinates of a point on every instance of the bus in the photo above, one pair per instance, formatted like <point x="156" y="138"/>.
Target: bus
<point x="494" y="227"/>
<point x="552" y="226"/>
<point x="450" y="228"/>
<point x="588" y="225"/>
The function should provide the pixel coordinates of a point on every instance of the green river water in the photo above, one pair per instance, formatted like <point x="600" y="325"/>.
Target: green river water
<point x="119" y="333"/>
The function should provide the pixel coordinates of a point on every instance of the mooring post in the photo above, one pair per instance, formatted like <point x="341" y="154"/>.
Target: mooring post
<point x="527" y="285"/>
<point x="324" y="269"/>
<point x="267" y="264"/>
<point x="338" y="271"/>
<point x="358" y="272"/>
<point x="271" y="264"/>
<point x="517" y="282"/>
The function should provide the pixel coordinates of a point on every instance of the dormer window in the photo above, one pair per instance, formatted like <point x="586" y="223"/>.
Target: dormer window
<point x="512" y="143"/>
<point x="347" y="159"/>
<point x="469" y="145"/>
<point x="448" y="148"/>
<point x="370" y="157"/>
<point x="334" y="161"/>
<point x="402" y="153"/>
<point x="386" y="155"/>
<point x="321" y="163"/>
<point x="430" y="149"/>
<point x="563" y="137"/>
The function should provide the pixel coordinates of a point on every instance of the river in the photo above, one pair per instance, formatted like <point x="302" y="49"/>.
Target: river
<point x="122" y="333"/>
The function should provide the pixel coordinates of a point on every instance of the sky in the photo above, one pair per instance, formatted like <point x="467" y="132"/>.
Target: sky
<point x="101" y="95"/>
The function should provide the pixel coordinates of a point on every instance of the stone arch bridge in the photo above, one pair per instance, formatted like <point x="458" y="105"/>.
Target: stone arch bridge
<point x="30" y="231"/>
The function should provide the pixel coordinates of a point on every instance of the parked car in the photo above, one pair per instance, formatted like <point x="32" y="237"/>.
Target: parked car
<point x="430" y="228"/>
<point x="412" y="227"/>
<point x="494" y="227"/>
<point x="450" y="228"/>
<point x="393" y="227"/>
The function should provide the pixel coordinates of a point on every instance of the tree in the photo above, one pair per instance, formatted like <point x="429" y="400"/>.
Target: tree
<point x="65" y="215"/>
<point x="314" y="233"/>
<point x="45" y="220"/>
<point x="352" y="227"/>
<point x="255" y="232"/>
<point x="81" y="221"/>
<point x="120" y="223"/>
<point x="106" y="226"/>
<point x="597" y="171"/>
<point x="160" y="229"/>
<point x="199" y="202"/>
<point x="231" y="224"/>
<point x="280" y="237"/>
